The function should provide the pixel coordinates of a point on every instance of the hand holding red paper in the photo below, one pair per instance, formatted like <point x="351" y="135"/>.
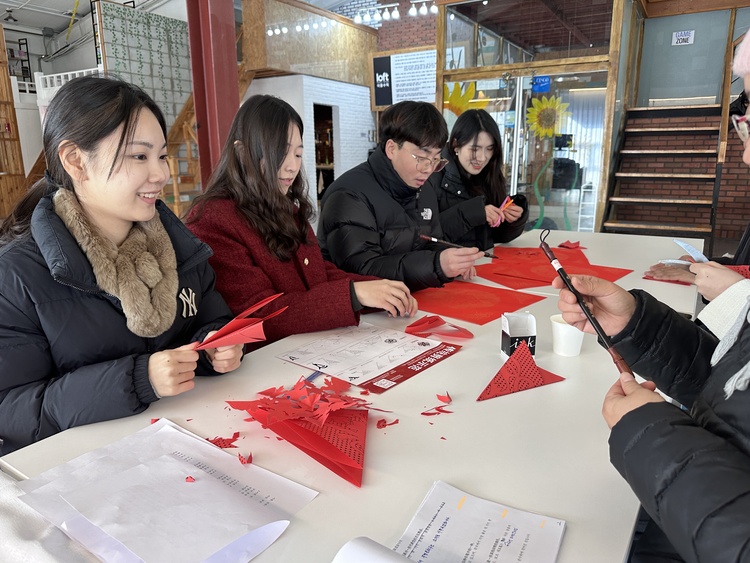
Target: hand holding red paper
<point x="241" y="330"/>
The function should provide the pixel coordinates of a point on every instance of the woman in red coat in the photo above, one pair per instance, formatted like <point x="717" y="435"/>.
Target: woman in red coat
<point x="255" y="216"/>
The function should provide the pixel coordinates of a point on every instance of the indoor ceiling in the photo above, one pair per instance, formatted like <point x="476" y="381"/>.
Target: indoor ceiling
<point x="544" y="25"/>
<point x="36" y="15"/>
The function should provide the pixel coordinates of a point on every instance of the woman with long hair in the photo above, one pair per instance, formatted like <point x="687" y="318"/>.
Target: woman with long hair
<point x="103" y="292"/>
<point x="255" y="215"/>
<point x="471" y="188"/>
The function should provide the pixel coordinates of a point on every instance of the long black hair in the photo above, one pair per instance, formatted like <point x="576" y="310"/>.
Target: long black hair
<point x="490" y="182"/>
<point x="83" y="112"/>
<point x="247" y="174"/>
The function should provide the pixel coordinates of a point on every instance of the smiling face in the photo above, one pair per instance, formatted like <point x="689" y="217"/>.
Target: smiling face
<point x="292" y="161"/>
<point x="475" y="155"/>
<point x="407" y="160"/>
<point x="114" y="202"/>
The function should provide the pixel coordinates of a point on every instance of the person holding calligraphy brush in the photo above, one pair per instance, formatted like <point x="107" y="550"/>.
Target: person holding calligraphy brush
<point x="689" y="468"/>
<point x="475" y="209"/>
<point x="103" y="291"/>
<point x="255" y="215"/>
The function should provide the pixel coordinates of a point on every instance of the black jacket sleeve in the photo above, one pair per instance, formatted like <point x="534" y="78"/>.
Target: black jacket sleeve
<point x="462" y="218"/>
<point x="663" y="346"/>
<point x="352" y="242"/>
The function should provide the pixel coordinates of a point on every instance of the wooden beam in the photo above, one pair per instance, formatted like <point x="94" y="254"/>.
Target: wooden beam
<point x="555" y="11"/>
<point x="254" y="34"/>
<point x="556" y="66"/>
<point x="440" y="58"/>
<point x="658" y="9"/>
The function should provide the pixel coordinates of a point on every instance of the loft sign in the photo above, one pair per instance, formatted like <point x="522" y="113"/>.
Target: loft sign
<point x="683" y="37"/>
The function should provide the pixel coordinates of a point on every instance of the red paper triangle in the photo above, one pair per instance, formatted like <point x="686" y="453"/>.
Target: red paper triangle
<point x="519" y="372"/>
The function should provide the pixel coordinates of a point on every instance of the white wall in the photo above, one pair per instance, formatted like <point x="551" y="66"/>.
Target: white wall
<point x="352" y="118"/>
<point x="29" y="126"/>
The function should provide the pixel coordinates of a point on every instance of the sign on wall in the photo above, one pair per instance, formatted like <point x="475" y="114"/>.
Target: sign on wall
<point x="683" y="37"/>
<point x="403" y="76"/>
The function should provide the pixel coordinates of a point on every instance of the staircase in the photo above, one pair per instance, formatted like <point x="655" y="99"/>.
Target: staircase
<point x="667" y="173"/>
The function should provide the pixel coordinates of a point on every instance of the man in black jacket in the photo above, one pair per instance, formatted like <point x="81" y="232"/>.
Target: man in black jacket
<point x="372" y="216"/>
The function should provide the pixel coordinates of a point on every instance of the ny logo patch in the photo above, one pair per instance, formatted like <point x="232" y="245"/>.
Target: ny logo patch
<point x="427" y="214"/>
<point x="189" y="308"/>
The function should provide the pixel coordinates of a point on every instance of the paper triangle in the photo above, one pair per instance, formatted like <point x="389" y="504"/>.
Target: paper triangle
<point x="518" y="373"/>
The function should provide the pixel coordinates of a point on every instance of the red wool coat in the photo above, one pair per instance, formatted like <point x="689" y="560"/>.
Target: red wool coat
<point x="316" y="292"/>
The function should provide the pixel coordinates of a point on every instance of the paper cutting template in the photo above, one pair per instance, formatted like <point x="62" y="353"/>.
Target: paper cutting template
<point x="371" y="357"/>
<point x="519" y="373"/>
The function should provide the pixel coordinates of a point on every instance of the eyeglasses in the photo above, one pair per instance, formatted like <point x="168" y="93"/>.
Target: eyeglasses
<point x="741" y="126"/>
<point x="425" y="164"/>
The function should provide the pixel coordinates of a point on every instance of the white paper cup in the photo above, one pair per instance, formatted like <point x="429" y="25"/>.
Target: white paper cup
<point x="566" y="339"/>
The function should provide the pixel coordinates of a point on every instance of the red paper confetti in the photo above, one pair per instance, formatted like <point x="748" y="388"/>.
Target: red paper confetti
<point x="154" y="420"/>
<point x="224" y="442"/>
<point x="443" y="438"/>
<point x="189" y="479"/>
<point x="382" y="423"/>
<point x="445" y="398"/>
<point x="245" y="460"/>
<point x="364" y="392"/>
<point x="440" y="409"/>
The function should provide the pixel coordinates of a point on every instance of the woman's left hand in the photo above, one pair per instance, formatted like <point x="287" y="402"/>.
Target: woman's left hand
<point x="224" y="358"/>
<point x="512" y="213"/>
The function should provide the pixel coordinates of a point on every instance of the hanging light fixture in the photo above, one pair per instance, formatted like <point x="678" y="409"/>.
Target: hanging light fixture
<point x="423" y="11"/>
<point x="413" y="10"/>
<point x="9" y="16"/>
<point x="433" y="8"/>
<point x="358" y="18"/>
<point x="386" y="14"/>
<point x="377" y="17"/>
<point x="394" y="14"/>
<point x="367" y="17"/>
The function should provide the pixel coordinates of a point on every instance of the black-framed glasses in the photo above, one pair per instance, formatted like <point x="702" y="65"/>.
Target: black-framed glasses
<point x="741" y="126"/>
<point x="425" y="164"/>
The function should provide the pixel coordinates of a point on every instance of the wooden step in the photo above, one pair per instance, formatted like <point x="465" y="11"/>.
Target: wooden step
<point x="661" y="227"/>
<point x="697" y="130"/>
<point x="675" y="111"/>
<point x="660" y="201"/>
<point x="665" y="176"/>
<point x="649" y="152"/>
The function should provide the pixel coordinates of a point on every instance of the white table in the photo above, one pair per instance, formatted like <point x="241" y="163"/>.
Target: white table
<point x="542" y="450"/>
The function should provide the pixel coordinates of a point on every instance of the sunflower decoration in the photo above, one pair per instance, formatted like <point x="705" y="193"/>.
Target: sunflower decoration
<point x="544" y="116"/>
<point x="458" y="102"/>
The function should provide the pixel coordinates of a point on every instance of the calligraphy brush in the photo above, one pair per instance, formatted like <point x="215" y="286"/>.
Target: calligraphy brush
<point x="616" y="358"/>
<point x="453" y="245"/>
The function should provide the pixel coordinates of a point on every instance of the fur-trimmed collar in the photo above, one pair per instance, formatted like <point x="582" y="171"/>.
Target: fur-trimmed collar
<point x="141" y="272"/>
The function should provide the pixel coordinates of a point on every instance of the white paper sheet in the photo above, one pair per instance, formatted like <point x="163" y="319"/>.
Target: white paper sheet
<point x="452" y="525"/>
<point x="130" y="500"/>
<point x="363" y="549"/>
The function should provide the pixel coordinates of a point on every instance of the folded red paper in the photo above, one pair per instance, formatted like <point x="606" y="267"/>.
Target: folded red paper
<point x="744" y="271"/>
<point x="518" y="373"/>
<point x="433" y="324"/>
<point x="678" y="282"/>
<point x="326" y="425"/>
<point x="569" y="244"/>
<point x="241" y="330"/>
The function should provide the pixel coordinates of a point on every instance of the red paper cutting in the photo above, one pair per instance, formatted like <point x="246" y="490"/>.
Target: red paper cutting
<point x="473" y="302"/>
<point x="744" y="271"/>
<point x="445" y="398"/>
<point x="224" y="442"/>
<point x="241" y="330"/>
<point x="382" y="423"/>
<point x="521" y="268"/>
<point x="440" y="409"/>
<point x="569" y="244"/>
<point x="189" y="479"/>
<point x="433" y="324"/>
<point x="329" y="427"/>
<point x="245" y="460"/>
<point x="519" y="373"/>
<point x="678" y="282"/>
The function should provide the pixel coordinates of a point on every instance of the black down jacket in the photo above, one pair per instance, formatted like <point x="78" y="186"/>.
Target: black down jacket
<point x="691" y="471"/>
<point x="67" y="357"/>
<point x="462" y="215"/>
<point x="371" y="221"/>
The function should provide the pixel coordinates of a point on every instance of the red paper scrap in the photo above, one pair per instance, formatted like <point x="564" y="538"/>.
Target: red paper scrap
<point x="245" y="460"/>
<point x="440" y="409"/>
<point x="445" y="398"/>
<point x="744" y="271"/>
<point x="678" y="282"/>
<point x="519" y="372"/>
<point x="224" y="442"/>
<point x="189" y="479"/>
<point x="475" y="303"/>
<point x="326" y="425"/>
<point x="364" y="392"/>
<point x="569" y="244"/>
<point x="154" y="420"/>
<point x="241" y="330"/>
<point x="435" y="325"/>
<point x="382" y="423"/>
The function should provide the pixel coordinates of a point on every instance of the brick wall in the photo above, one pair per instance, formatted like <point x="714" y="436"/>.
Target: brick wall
<point x="734" y="197"/>
<point x="409" y="31"/>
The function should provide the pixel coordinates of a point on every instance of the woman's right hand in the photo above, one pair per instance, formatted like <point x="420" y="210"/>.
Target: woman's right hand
<point x="393" y="296"/>
<point x="610" y="304"/>
<point x="492" y="214"/>
<point x="172" y="372"/>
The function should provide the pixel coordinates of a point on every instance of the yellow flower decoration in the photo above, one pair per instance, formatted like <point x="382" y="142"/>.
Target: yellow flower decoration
<point x="457" y="102"/>
<point x="545" y="115"/>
